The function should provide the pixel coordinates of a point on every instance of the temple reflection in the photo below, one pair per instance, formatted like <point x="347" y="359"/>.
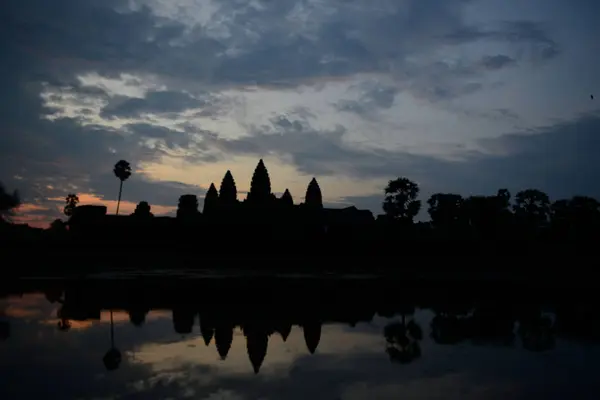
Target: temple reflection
<point x="492" y="319"/>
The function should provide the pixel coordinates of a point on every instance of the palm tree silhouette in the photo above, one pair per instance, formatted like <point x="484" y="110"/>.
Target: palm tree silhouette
<point x="71" y="202"/>
<point x="122" y="171"/>
<point x="112" y="358"/>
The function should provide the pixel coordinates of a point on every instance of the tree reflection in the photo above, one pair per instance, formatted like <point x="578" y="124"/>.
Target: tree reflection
<point x="112" y="358"/>
<point x="403" y="341"/>
<point x="64" y="324"/>
<point x="4" y="330"/>
<point x="536" y="330"/>
<point x="137" y="316"/>
<point x="450" y="324"/>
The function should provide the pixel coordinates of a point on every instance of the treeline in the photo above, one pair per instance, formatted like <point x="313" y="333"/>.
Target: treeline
<point x="530" y="215"/>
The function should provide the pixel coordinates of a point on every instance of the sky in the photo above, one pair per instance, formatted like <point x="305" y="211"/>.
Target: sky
<point x="462" y="96"/>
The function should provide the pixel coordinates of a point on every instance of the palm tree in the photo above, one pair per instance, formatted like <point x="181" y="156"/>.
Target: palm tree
<point x="8" y="202"/>
<point x="71" y="203"/>
<point x="122" y="171"/>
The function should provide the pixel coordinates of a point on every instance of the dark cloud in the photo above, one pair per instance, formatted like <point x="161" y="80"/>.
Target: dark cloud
<point x="497" y="61"/>
<point x="559" y="159"/>
<point x="155" y="102"/>
<point x="82" y="35"/>
<point x="525" y="35"/>
<point x="172" y="139"/>
<point x="49" y="44"/>
<point x="373" y="97"/>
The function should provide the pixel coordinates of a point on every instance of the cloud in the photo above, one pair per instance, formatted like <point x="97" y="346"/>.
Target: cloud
<point x="157" y="102"/>
<point x="373" y="96"/>
<point x="498" y="61"/>
<point x="87" y="83"/>
<point x="557" y="159"/>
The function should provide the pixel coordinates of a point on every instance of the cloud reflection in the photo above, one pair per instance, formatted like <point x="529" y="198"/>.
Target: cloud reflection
<point x="350" y="363"/>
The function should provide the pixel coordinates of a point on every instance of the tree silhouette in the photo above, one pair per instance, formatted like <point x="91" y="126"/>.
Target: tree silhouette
<point x="503" y="200"/>
<point x="260" y="186"/>
<point x="313" y="198"/>
<point x="122" y="170"/>
<point x="58" y="226"/>
<point x="576" y="216"/>
<point x="228" y="190"/>
<point x="188" y="206"/>
<point x="445" y="209"/>
<point x="286" y="198"/>
<point x="71" y="202"/>
<point x="400" y="201"/>
<point x="532" y="207"/>
<point x="486" y="215"/>
<point x="142" y="210"/>
<point x="211" y="200"/>
<point x="8" y="202"/>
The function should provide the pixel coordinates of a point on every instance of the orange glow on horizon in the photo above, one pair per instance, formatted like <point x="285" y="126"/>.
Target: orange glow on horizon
<point x="26" y="212"/>
<point x="126" y="207"/>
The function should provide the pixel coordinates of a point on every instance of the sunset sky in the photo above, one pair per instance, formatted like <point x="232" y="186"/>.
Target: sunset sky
<point x="461" y="96"/>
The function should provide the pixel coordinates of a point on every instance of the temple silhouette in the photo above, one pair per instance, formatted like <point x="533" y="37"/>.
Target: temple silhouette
<point x="224" y="219"/>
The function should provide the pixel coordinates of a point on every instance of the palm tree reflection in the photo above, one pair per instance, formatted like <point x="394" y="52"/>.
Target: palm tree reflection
<point x="112" y="358"/>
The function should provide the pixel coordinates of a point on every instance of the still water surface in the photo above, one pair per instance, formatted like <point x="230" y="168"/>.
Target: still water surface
<point x="409" y="356"/>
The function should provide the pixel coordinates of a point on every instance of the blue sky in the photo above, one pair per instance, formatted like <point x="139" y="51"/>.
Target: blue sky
<point x="461" y="96"/>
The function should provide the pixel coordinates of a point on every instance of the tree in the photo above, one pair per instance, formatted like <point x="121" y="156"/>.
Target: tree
<point x="260" y="187"/>
<point x="143" y="210"/>
<point x="58" y="226"/>
<point x="532" y="206"/>
<point x="400" y="201"/>
<point x="584" y="209"/>
<point x="71" y="202"/>
<point x="8" y="202"/>
<point x="188" y="206"/>
<point x="211" y="199"/>
<point x="503" y="200"/>
<point x="313" y="197"/>
<point x="122" y="171"/>
<point x="578" y="215"/>
<point x="228" y="190"/>
<point x="488" y="215"/>
<point x="445" y="209"/>
<point x="286" y="198"/>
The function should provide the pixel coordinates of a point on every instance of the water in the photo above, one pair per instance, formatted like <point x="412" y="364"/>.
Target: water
<point x="336" y="351"/>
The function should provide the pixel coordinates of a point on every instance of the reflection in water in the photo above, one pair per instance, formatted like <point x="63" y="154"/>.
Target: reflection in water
<point x="223" y="339"/>
<point x="403" y="341"/>
<point x="112" y="358"/>
<point x="176" y="343"/>
<point x="4" y="324"/>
